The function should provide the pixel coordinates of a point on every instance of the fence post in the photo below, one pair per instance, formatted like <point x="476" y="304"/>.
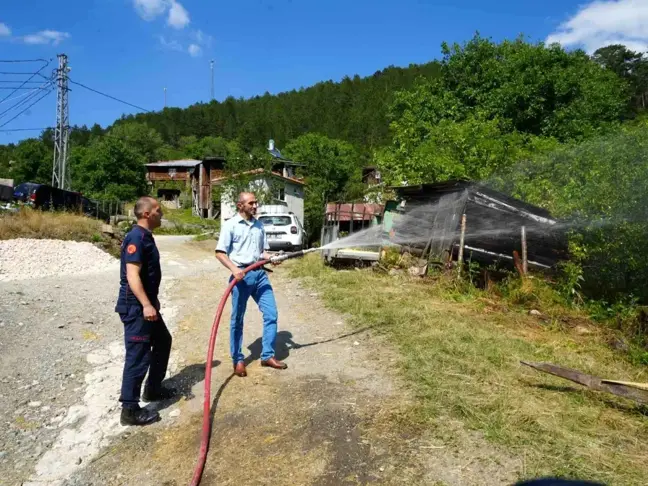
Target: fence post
<point x="461" y="243"/>
<point x="525" y="262"/>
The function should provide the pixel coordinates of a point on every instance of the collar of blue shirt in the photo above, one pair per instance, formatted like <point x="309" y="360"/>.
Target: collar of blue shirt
<point x="239" y="219"/>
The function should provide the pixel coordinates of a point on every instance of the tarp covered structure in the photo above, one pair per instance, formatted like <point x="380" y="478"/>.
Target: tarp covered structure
<point x="494" y="224"/>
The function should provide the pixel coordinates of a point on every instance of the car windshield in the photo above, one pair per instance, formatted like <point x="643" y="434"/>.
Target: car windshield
<point x="24" y="187"/>
<point x="275" y="220"/>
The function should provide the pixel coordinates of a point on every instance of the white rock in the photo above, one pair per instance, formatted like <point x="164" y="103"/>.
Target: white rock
<point x="26" y="258"/>
<point x="175" y="413"/>
<point x="34" y="404"/>
<point x="356" y="343"/>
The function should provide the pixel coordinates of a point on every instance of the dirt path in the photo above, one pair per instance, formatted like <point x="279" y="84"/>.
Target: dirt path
<point x="327" y="420"/>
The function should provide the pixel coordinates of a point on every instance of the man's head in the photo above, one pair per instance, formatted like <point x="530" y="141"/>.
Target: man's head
<point x="148" y="212"/>
<point x="247" y="205"/>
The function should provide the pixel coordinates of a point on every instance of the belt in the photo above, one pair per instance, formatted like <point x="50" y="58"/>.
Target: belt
<point x="260" y="268"/>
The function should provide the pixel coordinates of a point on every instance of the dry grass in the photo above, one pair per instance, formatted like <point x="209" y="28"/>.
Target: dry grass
<point x="28" y="223"/>
<point x="461" y="355"/>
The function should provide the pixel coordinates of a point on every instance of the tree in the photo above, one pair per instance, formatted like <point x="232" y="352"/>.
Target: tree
<point x="206" y="147"/>
<point x="492" y="104"/>
<point x="628" y="65"/>
<point x="140" y="137"/>
<point x="32" y="162"/>
<point x="109" y="168"/>
<point x="331" y="168"/>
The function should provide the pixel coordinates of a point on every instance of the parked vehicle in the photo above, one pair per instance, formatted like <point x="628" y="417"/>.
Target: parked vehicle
<point x="42" y="196"/>
<point x="284" y="231"/>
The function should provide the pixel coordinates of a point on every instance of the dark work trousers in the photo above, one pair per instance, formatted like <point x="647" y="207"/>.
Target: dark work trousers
<point x="148" y="345"/>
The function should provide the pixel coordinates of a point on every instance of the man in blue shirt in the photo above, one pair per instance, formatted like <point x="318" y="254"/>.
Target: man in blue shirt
<point x="243" y="242"/>
<point x="148" y="342"/>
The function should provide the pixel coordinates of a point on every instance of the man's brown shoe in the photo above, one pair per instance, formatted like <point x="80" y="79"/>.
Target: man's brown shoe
<point x="239" y="369"/>
<point x="273" y="363"/>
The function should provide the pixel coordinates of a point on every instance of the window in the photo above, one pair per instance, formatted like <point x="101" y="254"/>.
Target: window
<point x="275" y="220"/>
<point x="281" y="194"/>
<point x="172" y="173"/>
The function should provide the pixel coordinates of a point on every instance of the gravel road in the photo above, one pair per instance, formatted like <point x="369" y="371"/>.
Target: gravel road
<point x="327" y="420"/>
<point x="48" y="328"/>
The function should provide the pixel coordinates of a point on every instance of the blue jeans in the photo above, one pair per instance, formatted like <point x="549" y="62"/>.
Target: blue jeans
<point x="257" y="285"/>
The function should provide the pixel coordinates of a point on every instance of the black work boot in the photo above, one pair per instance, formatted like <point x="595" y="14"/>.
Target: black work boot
<point x="158" y="395"/>
<point x="138" y="416"/>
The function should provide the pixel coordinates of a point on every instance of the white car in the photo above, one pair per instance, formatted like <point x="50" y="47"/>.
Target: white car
<point x="284" y="231"/>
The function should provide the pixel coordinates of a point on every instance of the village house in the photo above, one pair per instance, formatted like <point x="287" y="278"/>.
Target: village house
<point x="180" y="183"/>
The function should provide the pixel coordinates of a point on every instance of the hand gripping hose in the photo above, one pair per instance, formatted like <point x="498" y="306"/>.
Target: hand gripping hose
<point x="206" y="425"/>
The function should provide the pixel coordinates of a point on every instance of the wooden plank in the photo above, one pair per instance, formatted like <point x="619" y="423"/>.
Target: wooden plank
<point x="620" y="389"/>
<point x="641" y="386"/>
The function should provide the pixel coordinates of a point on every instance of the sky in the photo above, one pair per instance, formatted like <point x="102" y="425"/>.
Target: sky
<point x="133" y="49"/>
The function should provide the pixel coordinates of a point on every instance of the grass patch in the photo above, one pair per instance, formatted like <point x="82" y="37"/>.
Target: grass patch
<point x="186" y="217"/>
<point x="30" y="223"/>
<point x="460" y="350"/>
<point x="185" y="223"/>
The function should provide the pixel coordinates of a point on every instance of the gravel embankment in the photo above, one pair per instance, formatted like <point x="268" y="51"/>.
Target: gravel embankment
<point x="25" y="258"/>
<point x="50" y="327"/>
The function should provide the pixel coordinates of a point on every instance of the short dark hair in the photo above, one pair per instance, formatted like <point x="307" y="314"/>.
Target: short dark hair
<point x="143" y="204"/>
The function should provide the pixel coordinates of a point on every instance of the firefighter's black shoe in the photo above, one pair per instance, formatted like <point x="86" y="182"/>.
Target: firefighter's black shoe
<point x="138" y="416"/>
<point x="158" y="395"/>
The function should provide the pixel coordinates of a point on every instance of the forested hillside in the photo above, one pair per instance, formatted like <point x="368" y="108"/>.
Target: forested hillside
<point x="353" y="110"/>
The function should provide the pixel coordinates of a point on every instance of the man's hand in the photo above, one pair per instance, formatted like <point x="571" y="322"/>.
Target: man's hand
<point x="150" y="314"/>
<point x="238" y="274"/>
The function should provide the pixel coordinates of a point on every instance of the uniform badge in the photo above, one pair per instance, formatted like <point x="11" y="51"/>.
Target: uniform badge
<point x="131" y="249"/>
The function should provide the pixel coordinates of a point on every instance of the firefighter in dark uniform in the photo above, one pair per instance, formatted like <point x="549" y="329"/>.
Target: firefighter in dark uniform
<point x="148" y="342"/>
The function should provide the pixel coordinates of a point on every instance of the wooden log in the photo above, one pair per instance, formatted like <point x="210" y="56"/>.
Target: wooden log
<point x="621" y="389"/>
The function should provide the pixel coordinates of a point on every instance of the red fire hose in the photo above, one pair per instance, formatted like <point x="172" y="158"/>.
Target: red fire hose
<point x="206" y="425"/>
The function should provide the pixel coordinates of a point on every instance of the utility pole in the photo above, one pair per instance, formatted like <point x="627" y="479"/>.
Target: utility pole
<point x="211" y="66"/>
<point x="165" y="97"/>
<point x="61" y="172"/>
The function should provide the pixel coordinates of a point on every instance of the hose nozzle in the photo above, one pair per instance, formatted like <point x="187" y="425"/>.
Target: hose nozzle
<point x="295" y="254"/>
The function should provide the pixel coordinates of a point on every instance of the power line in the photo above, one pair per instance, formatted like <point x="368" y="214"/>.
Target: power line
<point x="26" y="129"/>
<point x="25" y="109"/>
<point x="25" y="82"/>
<point x="111" y="97"/>
<point x="18" y="81"/>
<point x="28" y="98"/>
<point x="24" y="60"/>
<point x="17" y="73"/>
<point x="16" y="88"/>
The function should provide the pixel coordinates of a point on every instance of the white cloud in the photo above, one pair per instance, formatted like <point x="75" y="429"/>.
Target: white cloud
<point x="202" y="39"/>
<point x="174" y="45"/>
<point x="150" y="9"/>
<point x="194" y="50"/>
<point x="5" y="31"/>
<point x="178" y="16"/>
<point x="606" y="22"/>
<point x="52" y="37"/>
